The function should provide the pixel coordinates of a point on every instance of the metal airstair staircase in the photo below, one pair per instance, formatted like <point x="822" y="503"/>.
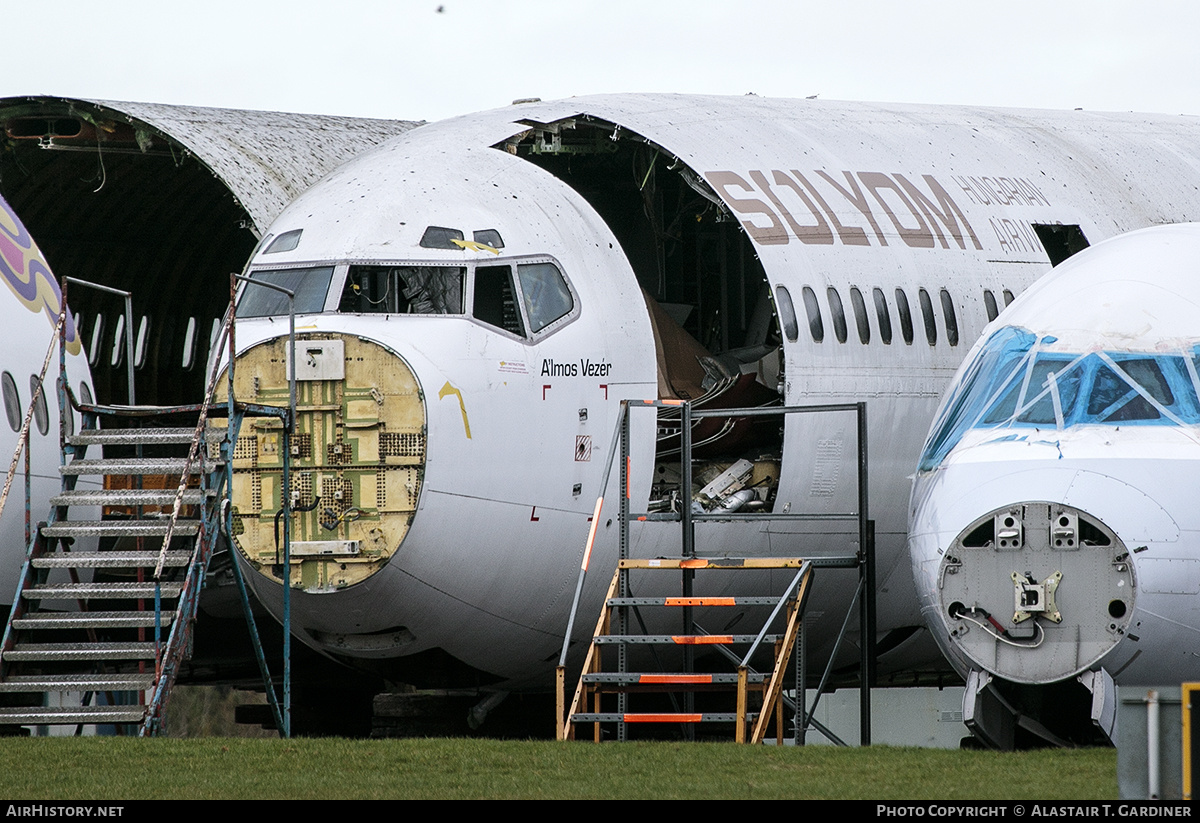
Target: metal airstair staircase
<point x="615" y="629"/>
<point x="107" y="596"/>
<point x="105" y="607"/>
<point x="611" y="696"/>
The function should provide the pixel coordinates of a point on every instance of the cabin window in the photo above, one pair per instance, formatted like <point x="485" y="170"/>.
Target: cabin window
<point x="927" y="316"/>
<point x="884" y="316"/>
<point x="787" y="313"/>
<point x="403" y="290"/>
<point x="139" y="347"/>
<point x="41" y="416"/>
<point x="117" y="355"/>
<point x="12" y="401"/>
<point x="189" y="344"/>
<point x="906" y="323"/>
<point x="813" y="309"/>
<point x="310" y="286"/>
<point x="838" y="315"/>
<point x="860" y="315"/>
<point x="97" y="340"/>
<point x="950" y="318"/>
<point x="545" y="294"/>
<point x="989" y="304"/>
<point x="495" y="300"/>
<point x="1008" y="297"/>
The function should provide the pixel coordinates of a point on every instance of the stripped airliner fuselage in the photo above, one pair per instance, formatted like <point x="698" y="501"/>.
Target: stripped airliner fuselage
<point x="480" y="294"/>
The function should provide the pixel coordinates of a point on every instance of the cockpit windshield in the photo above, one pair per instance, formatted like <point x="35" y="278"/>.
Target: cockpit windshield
<point x="1016" y="381"/>
<point x="527" y="298"/>
<point x="310" y="286"/>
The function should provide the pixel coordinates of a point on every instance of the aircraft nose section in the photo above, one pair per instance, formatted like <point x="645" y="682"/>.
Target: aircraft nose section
<point x="1036" y="592"/>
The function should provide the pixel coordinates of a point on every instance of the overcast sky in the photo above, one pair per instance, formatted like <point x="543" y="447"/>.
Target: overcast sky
<point x="422" y="59"/>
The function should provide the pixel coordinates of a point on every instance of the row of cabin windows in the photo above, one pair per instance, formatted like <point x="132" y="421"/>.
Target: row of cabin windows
<point x="546" y="299"/>
<point x="115" y="344"/>
<point x="14" y="411"/>
<point x="883" y="324"/>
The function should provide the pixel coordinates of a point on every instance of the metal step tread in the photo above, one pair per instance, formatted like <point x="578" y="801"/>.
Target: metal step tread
<point x="109" y="560"/>
<point x="156" y="527"/>
<point x="83" y="591"/>
<point x="661" y="717"/>
<point x="80" y="651"/>
<point x="131" y="465"/>
<point x="694" y="602"/>
<point x="77" y="683"/>
<point x="92" y="620"/>
<point x="669" y="679"/>
<point x="684" y="639"/>
<point x="70" y="715"/>
<point x="142" y="437"/>
<point x="128" y="497"/>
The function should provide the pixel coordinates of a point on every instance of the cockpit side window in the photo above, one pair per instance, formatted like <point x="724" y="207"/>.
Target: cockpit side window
<point x="440" y="237"/>
<point x="1051" y="376"/>
<point x="495" y="299"/>
<point x="309" y="284"/>
<point x="489" y="237"/>
<point x="403" y="290"/>
<point x="544" y="292"/>
<point x="1114" y="400"/>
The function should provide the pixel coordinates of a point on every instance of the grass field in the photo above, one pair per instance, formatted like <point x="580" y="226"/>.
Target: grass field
<point x="227" y="768"/>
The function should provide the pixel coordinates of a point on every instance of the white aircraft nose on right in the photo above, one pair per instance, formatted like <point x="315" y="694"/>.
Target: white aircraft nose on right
<point x="1053" y="527"/>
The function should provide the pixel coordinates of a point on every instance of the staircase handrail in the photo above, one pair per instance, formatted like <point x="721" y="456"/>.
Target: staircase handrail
<point x="194" y="448"/>
<point x="226" y="336"/>
<point x="227" y="323"/>
<point x="167" y="654"/>
<point x="128" y="298"/>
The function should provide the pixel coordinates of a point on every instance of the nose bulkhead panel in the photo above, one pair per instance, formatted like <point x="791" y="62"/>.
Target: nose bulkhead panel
<point x="1036" y="592"/>
<point x="358" y="457"/>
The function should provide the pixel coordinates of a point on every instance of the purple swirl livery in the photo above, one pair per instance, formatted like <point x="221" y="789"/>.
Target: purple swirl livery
<point x="27" y="275"/>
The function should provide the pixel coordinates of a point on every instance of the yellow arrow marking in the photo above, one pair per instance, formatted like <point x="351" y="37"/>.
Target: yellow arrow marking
<point x="448" y="390"/>
<point x="475" y="245"/>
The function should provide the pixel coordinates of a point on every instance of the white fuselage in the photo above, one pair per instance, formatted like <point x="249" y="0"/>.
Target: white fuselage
<point x="487" y="567"/>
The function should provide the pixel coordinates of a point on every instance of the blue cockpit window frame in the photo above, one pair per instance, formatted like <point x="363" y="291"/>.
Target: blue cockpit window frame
<point x="1013" y="382"/>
